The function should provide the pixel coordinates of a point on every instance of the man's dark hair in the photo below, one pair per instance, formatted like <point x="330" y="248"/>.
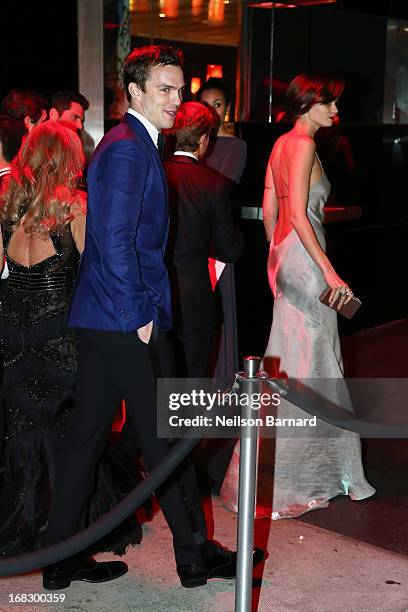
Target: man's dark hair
<point x="139" y="63"/>
<point x="61" y="100"/>
<point x="193" y="119"/>
<point x="21" y="103"/>
<point x="11" y="135"/>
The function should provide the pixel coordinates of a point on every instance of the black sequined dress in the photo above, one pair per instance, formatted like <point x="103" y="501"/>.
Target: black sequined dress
<point x="39" y="353"/>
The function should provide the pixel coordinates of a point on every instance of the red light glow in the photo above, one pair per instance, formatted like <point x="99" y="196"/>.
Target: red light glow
<point x="169" y="7"/>
<point x="139" y="6"/>
<point x="196" y="6"/>
<point x="216" y="10"/>
<point x="195" y="84"/>
<point x="214" y="70"/>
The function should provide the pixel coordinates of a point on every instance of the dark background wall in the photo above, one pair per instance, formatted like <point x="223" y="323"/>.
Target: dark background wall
<point x="321" y="39"/>
<point x="38" y="45"/>
<point x="390" y="8"/>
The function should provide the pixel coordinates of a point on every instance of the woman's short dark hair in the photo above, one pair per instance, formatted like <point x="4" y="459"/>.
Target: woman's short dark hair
<point x="215" y="83"/>
<point x="139" y="62"/>
<point x="305" y="90"/>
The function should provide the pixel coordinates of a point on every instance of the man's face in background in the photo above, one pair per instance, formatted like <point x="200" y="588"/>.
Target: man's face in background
<point x="73" y="116"/>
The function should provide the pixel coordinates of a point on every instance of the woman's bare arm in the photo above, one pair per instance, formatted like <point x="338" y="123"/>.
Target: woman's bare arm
<point x="1" y="252"/>
<point x="78" y="223"/>
<point x="270" y="203"/>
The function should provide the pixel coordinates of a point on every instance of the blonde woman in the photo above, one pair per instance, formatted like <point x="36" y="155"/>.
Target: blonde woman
<point x="42" y="235"/>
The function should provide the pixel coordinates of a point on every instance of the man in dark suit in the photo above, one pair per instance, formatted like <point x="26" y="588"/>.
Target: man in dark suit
<point x="120" y="306"/>
<point x="201" y="226"/>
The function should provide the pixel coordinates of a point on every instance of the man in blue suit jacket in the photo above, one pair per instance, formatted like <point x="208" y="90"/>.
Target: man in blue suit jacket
<point x="120" y="306"/>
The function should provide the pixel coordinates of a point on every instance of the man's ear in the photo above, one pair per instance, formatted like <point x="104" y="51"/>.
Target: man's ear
<point x="135" y="91"/>
<point x="54" y="114"/>
<point x="28" y="123"/>
<point x="202" y="138"/>
<point x="202" y="145"/>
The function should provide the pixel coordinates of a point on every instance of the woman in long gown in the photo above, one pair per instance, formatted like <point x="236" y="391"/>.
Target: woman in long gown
<point x="42" y="236"/>
<point x="304" y="341"/>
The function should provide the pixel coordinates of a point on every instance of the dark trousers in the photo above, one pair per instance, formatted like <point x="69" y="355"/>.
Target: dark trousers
<point x="2" y="429"/>
<point x="115" y="366"/>
<point x="195" y="342"/>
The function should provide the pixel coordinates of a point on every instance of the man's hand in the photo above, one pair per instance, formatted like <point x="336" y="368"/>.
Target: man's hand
<point x="145" y="332"/>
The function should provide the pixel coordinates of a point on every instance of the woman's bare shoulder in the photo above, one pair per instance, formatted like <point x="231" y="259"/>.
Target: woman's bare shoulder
<point x="292" y="139"/>
<point x="300" y="148"/>
<point x="296" y="140"/>
<point x="278" y="146"/>
<point x="78" y="205"/>
<point x="279" y="142"/>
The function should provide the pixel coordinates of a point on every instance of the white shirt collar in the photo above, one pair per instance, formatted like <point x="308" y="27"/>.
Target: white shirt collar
<point x="187" y="154"/>
<point x="153" y="131"/>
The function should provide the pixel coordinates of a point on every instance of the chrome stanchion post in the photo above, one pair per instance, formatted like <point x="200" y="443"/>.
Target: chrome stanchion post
<point x="247" y="489"/>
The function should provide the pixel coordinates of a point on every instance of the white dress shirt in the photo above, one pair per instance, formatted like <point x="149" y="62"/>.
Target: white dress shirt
<point x="187" y="154"/>
<point x="153" y="131"/>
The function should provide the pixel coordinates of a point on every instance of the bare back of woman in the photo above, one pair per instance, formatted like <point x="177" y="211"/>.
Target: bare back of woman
<point x="31" y="249"/>
<point x="280" y="165"/>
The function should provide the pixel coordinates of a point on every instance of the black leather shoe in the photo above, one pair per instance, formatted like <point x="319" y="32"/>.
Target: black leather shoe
<point x="221" y="564"/>
<point x="60" y="575"/>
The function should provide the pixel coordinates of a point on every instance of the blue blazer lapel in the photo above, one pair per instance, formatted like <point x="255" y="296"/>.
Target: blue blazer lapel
<point x="138" y="127"/>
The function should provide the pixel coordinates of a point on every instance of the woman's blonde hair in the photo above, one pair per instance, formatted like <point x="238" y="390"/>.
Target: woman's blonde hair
<point x="44" y="179"/>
